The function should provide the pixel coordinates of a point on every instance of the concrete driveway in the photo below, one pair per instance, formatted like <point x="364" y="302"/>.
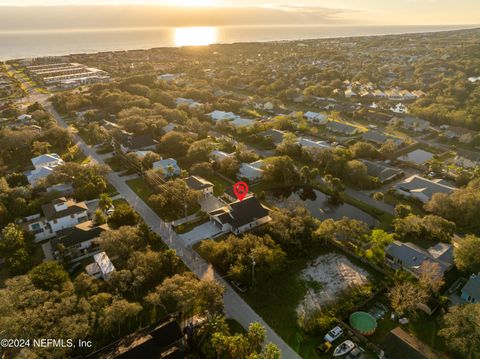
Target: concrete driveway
<point x="203" y="231"/>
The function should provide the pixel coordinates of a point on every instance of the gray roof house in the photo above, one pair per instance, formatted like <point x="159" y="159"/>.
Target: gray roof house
<point x="421" y="188"/>
<point x="410" y="257"/>
<point x="380" y="138"/>
<point x="274" y="134"/>
<point x="168" y="166"/>
<point x="471" y="290"/>
<point x="339" y="127"/>
<point x="381" y="171"/>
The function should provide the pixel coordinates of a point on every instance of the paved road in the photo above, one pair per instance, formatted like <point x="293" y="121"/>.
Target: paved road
<point x="235" y="306"/>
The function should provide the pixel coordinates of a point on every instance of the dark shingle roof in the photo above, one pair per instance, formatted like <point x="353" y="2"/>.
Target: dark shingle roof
<point x="197" y="183"/>
<point x="398" y="344"/>
<point x="72" y="208"/>
<point x="80" y="233"/>
<point x="243" y="212"/>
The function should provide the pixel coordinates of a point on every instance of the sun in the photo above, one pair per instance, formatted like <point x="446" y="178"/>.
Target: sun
<point x="195" y="36"/>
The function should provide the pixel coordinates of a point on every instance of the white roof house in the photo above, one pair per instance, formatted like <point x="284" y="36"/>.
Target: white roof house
<point x="50" y="159"/>
<point x="315" y="117"/>
<point x="44" y="166"/>
<point x="188" y="101"/>
<point x="421" y="188"/>
<point x="307" y="143"/>
<point x="242" y="122"/>
<point x="219" y="156"/>
<point x="168" y="166"/>
<point x="102" y="267"/>
<point x="223" y="116"/>
<point x="251" y="171"/>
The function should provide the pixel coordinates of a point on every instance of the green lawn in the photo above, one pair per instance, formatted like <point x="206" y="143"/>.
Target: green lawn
<point x="144" y="191"/>
<point x="141" y="188"/>
<point x="219" y="184"/>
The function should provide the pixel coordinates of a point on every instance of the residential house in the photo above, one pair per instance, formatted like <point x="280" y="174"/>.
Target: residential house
<point x="187" y="101"/>
<point x="349" y="93"/>
<point x="44" y="166"/>
<point x="169" y="167"/>
<point x="219" y="156"/>
<point x="316" y="118"/>
<point x="58" y="215"/>
<point x="78" y="241"/>
<point x="241" y="216"/>
<point x="407" y="95"/>
<point x="128" y="142"/>
<point x="342" y="128"/>
<point x="382" y="172"/>
<point x="394" y="95"/>
<point x="410" y="257"/>
<point x="24" y="118"/>
<point x="223" y="116"/>
<point x="467" y="159"/>
<point x="64" y="189"/>
<point x="230" y="195"/>
<point x="308" y="143"/>
<point x="398" y="344"/>
<point x="422" y="188"/>
<point x="275" y="135"/>
<point x="380" y="138"/>
<point x="169" y="128"/>
<point x="459" y="134"/>
<point x="162" y="340"/>
<point x="200" y="184"/>
<point x="471" y="290"/>
<point x="252" y="172"/>
<point x="102" y="267"/>
<point x="415" y="124"/>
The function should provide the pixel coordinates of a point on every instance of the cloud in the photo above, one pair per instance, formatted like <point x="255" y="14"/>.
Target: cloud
<point x="80" y="17"/>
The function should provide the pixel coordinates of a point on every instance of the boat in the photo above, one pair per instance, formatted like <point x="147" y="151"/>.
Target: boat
<point x="343" y="348"/>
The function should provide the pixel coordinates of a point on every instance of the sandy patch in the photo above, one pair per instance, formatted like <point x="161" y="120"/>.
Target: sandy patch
<point x="334" y="273"/>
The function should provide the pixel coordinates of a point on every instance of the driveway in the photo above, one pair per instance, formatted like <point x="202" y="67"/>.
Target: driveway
<point x="211" y="203"/>
<point x="203" y="231"/>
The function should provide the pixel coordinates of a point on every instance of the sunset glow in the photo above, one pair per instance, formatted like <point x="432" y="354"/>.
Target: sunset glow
<point x="195" y="36"/>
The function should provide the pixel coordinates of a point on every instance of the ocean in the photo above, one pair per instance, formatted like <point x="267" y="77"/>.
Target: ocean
<point x="27" y="44"/>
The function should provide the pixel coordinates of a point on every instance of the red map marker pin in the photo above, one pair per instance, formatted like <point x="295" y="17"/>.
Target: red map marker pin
<point x="241" y="190"/>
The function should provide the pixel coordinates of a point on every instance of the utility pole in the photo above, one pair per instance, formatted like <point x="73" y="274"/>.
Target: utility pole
<point x="253" y="271"/>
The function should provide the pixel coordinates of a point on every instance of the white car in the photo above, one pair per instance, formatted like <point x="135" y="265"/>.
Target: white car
<point x="333" y="334"/>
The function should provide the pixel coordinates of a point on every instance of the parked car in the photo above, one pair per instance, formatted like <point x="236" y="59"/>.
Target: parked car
<point x="333" y="334"/>
<point x="325" y="347"/>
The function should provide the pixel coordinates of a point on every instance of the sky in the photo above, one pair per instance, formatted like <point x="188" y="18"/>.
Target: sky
<point x="133" y="13"/>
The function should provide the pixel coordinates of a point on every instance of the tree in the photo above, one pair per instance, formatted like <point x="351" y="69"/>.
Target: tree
<point x="405" y="297"/>
<point x="124" y="215"/>
<point x="280" y="169"/>
<point x="247" y="345"/>
<point x="461" y="330"/>
<point x="235" y="256"/>
<point x="49" y="276"/>
<point x="466" y="254"/>
<point x="229" y="167"/>
<point x="403" y="210"/>
<point x="185" y="293"/>
<point x="294" y="229"/>
<point x="430" y="227"/>
<point x="174" y="144"/>
<point x="105" y="202"/>
<point x="364" y="150"/>
<point x="174" y="201"/>
<point x="117" y="314"/>
<point x="121" y="242"/>
<point x="430" y="276"/>
<point x="16" y="248"/>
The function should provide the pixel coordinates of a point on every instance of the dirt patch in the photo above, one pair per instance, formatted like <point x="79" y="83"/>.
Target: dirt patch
<point x="334" y="274"/>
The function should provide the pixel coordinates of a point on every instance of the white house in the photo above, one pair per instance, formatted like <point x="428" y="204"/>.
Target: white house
<point x="223" y="116"/>
<point x="349" y="93"/>
<point x="219" y="156"/>
<point x="200" y="184"/>
<point x="467" y="159"/>
<point x="307" y="143"/>
<point x="253" y="172"/>
<point x="58" y="215"/>
<point x="24" y="118"/>
<point x="168" y="166"/>
<point x="44" y="166"/>
<point x="241" y="216"/>
<point x="421" y="188"/>
<point x="187" y="101"/>
<point x="102" y="267"/>
<point x="316" y="118"/>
